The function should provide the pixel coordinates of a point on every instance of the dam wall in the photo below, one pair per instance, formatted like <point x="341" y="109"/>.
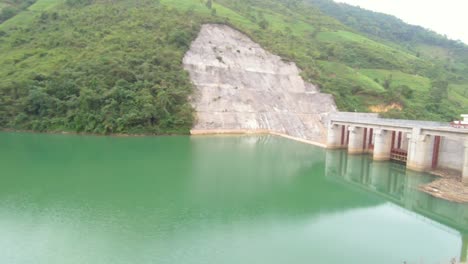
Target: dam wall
<point x="450" y="154"/>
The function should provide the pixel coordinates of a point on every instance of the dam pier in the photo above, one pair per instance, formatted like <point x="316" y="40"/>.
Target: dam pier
<point x="424" y="146"/>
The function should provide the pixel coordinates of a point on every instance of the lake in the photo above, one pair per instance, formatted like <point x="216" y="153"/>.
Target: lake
<point x="214" y="199"/>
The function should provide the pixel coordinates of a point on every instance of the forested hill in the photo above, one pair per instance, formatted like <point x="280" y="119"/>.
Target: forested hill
<point x="114" y="66"/>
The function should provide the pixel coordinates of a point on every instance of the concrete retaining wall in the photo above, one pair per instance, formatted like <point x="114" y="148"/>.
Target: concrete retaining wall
<point x="451" y="154"/>
<point x="241" y="87"/>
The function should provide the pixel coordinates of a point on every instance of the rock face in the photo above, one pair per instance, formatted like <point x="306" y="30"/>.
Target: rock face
<point x="242" y="87"/>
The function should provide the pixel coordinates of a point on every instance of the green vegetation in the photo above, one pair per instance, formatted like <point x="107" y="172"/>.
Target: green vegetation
<point x="398" y="78"/>
<point x="9" y="8"/>
<point x="391" y="29"/>
<point x="443" y="60"/>
<point x="115" y="66"/>
<point x="98" y="69"/>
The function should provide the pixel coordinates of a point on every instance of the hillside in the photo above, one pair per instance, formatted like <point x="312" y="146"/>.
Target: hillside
<point x="241" y="87"/>
<point x="116" y="66"/>
<point x="10" y="8"/>
<point x="416" y="39"/>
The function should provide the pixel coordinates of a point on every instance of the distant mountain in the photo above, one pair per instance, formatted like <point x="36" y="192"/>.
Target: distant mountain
<point x="114" y="66"/>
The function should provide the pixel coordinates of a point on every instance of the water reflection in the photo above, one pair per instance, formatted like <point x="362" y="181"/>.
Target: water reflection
<point x="213" y="200"/>
<point x="464" y="250"/>
<point x="393" y="182"/>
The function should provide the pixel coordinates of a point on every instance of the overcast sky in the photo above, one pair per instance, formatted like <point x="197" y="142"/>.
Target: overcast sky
<point x="447" y="17"/>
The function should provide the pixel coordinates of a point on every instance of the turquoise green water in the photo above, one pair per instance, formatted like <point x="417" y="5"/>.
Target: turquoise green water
<point x="77" y="199"/>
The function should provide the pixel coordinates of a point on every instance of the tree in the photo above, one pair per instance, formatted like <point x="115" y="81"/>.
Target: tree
<point x="406" y="91"/>
<point x="263" y="24"/>
<point x="439" y="90"/>
<point x="388" y="82"/>
<point x="209" y="4"/>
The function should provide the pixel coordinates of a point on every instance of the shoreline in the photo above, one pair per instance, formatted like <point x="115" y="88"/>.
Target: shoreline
<point x="193" y="132"/>
<point x="448" y="186"/>
<point x="210" y="132"/>
<point x="118" y="135"/>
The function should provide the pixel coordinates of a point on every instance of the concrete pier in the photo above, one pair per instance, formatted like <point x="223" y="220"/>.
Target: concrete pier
<point x="419" y="151"/>
<point x="382" y="144"/>
<point x="356" y="140"/>
<point x="334" y="137"/>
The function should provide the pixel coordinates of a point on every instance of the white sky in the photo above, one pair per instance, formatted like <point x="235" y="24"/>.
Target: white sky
<point x="447" y="17"/>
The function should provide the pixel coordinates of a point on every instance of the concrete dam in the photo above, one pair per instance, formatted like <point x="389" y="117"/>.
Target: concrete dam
<point x="242" y="88"/>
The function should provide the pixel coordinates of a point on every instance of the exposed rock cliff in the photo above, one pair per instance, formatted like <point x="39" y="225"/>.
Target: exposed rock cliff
<point x="242" y="87"/>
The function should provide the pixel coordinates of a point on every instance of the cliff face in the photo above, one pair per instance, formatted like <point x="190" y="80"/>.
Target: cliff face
<point x="242" y="87"/>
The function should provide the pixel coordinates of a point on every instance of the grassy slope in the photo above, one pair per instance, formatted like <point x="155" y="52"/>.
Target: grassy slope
<point x="346" y="64"/>
<point x="20" y="61"/>
<point x="369" y="45"/>
<point x="3" y="5"/>
<point x="433" y="51"/>
<point x="8" y="3"/>
<point x="415" y="82"/>
<point x="355" y="77"/>
<point x="26" y="17"/>
<point x="459" y="94"/>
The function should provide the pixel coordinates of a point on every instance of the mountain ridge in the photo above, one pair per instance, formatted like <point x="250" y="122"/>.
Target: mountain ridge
<point x="115" y="67"/>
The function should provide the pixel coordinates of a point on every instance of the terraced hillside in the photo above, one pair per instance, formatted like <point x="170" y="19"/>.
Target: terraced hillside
<point x="116" y="66"/>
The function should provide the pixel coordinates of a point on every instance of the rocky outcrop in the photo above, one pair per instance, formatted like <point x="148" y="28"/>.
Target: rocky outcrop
<point x="242" y="87"/>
